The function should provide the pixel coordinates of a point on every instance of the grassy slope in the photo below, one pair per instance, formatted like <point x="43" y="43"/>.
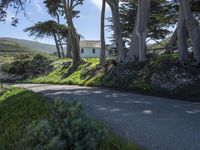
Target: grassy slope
<point x="138" y="78"/>
<point x="10" y="51"/>
<point x="19" y="107"/>
<point x="56" y="77"/>
<point x="32" y="45"/>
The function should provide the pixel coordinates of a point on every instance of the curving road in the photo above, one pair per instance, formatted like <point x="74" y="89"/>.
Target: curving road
<point x="155" y="123"/>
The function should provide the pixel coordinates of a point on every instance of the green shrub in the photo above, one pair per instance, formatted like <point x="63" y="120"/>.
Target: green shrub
<point x="16" y="67"/>
<point x="22" y="56"/>
<point x="141" y="85"/>
<point x="164" y="62"/>
<point x="68" y="128"/>
<point x="38" y="65"/>
<point x="29" y="121"/>
<point x="39" y="57"/>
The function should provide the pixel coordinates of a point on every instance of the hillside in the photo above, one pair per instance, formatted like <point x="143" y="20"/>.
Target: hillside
<point x="11" y="50"/>
<point x="159" y="76"/>
<point x="30" y="45"/>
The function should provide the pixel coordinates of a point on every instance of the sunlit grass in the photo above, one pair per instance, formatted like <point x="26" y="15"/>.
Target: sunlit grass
<point x="76" y="78"/>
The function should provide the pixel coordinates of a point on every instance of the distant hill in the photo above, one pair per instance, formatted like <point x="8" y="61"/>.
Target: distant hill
<point x="26" y="45"/>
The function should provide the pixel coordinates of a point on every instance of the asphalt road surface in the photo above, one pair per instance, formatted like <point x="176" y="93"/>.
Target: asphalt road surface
<point x="155" y="123"/>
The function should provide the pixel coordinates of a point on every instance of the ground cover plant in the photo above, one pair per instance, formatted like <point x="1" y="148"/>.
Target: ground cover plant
<point x="31" y="121"/>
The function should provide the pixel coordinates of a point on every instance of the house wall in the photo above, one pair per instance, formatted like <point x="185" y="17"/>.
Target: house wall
<point x="88" y="53"/>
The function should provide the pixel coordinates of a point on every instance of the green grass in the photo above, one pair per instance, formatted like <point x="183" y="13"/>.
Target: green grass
<point x="10" y="46"/>
<point x="163" y="63"/>
<point x="32" y="66"/>
<point x="20" y="107"/>
<point x="6" y="59"/>
<point x="114" y="142"/>
<point x="11" y="51"/>
<point x="84" y="75"/>
<point x="79" y="77"/>
<point x="93" y="61"/>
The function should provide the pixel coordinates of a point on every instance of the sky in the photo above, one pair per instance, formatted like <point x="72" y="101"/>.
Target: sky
<point x="88" y="25"/>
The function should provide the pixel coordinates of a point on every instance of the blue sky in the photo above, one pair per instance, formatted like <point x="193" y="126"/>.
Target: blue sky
<point x="87" y="25"/>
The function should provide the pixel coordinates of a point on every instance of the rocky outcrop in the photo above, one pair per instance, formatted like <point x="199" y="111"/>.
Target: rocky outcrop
<point x="174" y="78"/>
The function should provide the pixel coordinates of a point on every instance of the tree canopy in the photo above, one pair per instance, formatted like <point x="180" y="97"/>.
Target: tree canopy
<point x="133" y="22"/>
<point x="18" y="5"/>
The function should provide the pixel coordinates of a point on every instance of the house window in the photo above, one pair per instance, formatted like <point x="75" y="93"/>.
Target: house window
<point x="82" y="50"/>
<point x="93" y="51"/>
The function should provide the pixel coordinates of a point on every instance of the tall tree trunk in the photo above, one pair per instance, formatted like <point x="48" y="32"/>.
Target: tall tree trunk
<point x="61" y="46"/>
<point x="73" y="36"/>
<point x="173" y="42"/>
<point x="182" y="38"/>
<point x="75" y="44"/>
<point x="59" y="39"/>
<point x="192" y="26"/>
<point x="103" y="45"/>
<point x="139" y="35"/>
<point x="57" y="45"/>
<point x="63" y="53"/>
<point x="68" y="47"/>
<point x="114" y="5"/>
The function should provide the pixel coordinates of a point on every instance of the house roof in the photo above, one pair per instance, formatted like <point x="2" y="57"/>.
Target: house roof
<point x="90" y="44"/>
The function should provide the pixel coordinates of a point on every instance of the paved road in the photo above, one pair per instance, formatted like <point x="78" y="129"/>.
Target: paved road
<point x="156" y="123"/>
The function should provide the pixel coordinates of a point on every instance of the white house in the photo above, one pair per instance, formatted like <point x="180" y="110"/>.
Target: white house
<point x="90" y="49"/>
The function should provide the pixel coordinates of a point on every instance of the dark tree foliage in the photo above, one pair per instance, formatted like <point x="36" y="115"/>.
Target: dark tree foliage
<point x="55" y="8"/>
<point x="196" y="9"/>
<point x="46" y="29"/>
<point x="163" y="15"/>
<point x="18" y="5"/>
<point x="49" y="29"/>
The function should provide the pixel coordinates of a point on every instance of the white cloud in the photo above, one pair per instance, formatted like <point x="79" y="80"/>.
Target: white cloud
<point x="37" y="4"/>
<point x="98" y="3"/>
